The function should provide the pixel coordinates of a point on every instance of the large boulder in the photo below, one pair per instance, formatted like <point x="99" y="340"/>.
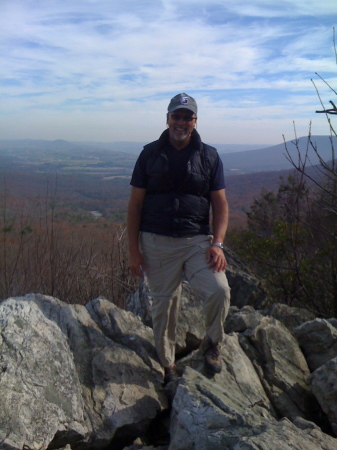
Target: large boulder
<point x="238" y="377"/>
<point x="246" y="289"/>
<point x="120" y="393"/>
<point x="290" y="316"/>
<point x="126" y="329"/>
<point x="40" y="392"/>
<point x="324" y="386"/>
<point x="318" y="340"/>
<point x="282" y="368"/>
<point x="239" y="320"/>
<point x="206" y="415"/>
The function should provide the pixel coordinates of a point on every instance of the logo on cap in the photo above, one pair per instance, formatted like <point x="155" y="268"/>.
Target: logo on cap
<point x="184" y="100"/>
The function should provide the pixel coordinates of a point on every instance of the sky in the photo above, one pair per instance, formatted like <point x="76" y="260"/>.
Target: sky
<point x="106" y="70"/>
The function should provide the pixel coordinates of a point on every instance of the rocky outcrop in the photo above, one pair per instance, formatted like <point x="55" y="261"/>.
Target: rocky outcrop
<point x="64" y="381"/>
<point x="246" y="289"/>
<point x="75" y="377"/>
<point x="206" y="416"/>
<point x="318" y="339"/>
<point x="40" y="390"/>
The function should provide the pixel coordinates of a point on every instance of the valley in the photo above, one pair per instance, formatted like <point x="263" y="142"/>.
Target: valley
<point x="95" y="177"/>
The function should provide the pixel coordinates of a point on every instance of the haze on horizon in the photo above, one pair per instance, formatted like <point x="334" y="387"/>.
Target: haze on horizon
<point x="105" y="71"/>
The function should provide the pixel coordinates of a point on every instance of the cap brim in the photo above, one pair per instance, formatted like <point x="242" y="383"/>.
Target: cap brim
<point x="181" y="107"/>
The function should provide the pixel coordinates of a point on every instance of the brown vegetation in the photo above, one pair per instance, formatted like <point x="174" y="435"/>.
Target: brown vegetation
<point x="51" y="243"/>
<point x="74" y="261"/>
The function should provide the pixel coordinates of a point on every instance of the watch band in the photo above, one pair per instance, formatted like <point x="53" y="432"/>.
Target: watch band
<point x="218" y="244"/>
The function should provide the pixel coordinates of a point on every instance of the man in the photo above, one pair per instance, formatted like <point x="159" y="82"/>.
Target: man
<point x="174" y="182"/>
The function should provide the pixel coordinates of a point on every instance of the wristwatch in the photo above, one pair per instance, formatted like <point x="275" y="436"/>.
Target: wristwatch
<point x="218" y="244"/>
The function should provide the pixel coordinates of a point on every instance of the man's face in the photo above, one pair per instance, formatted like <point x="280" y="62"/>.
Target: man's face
<point x="180" y="128"/>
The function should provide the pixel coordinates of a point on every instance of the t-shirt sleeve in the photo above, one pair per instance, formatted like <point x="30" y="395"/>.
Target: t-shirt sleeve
<point x="217" y="176"/>
<point x="139" y="178"/>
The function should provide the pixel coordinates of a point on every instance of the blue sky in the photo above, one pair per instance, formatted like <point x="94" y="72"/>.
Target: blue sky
<point x="106" y="70"/>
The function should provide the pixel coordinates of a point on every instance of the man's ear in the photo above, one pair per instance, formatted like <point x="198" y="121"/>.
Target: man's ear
<point x="167" y="117"/>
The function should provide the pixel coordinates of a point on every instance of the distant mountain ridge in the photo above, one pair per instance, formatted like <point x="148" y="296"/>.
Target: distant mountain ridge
<point x="119" y="146"/>
<point x="275" y="157"/>
<point x="112" y="154"/>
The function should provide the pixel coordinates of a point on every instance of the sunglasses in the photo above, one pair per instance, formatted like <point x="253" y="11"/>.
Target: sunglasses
<point x="178" y="117"/>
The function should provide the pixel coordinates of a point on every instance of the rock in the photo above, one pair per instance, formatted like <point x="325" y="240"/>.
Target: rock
<point x="40" y="393"/>
<point x="207" y="416"/>
<point x="332" y="321"/>
<point x="290" y="317"/>
<point x="286" y="436"/>
<point x="126" y="329"/>
<point x="282" y="368"/>
<point x="116" y="386"/>
<point x="238" y="376"/>
<point x="318" y="340"/>
<point x="239" y="320"/>
<point x="88" y="378"/>
<point x="245" y="288"/>
<point x="140" y="302"/>
<point x="324" y="386"/>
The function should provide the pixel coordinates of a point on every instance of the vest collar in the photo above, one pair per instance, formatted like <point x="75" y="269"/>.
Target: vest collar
<point x="195" y="139"/>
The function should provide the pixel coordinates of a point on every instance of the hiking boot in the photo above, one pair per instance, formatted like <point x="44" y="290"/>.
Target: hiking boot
<point x="170" y="374"/>
<point x="211" y="354"/>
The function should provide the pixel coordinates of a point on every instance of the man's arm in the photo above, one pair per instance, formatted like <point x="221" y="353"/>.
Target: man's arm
<point x="215" y="255"/>
<point x="136" y="261"/>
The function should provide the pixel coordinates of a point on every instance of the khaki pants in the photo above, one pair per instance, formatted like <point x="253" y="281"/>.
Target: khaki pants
<point x="167" y="259"/>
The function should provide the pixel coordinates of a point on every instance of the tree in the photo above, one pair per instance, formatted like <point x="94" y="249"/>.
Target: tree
<point x="323" y="218"/>
<point x="276" y="244"/>
<point x="291" y="241"/>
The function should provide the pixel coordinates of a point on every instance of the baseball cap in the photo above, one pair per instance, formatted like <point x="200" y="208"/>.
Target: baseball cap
<point x="183" y="101"/>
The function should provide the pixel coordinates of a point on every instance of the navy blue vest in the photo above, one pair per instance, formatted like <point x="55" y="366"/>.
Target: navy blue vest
<point x="177" y="211"/>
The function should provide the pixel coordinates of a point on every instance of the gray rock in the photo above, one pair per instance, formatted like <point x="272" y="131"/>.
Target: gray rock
<point x="238" y="377"/>
<point x="318" y="340"/>
<point x="239" y="320"/>
<point x="246" y="289"/>
<point x="324" y="386"/>
<point x="121" y="394"/>
<point x="333" y="321"/>
<point x="206" y="416"/>
<point x="291" y="317"/>
<point x="126" y="329"/>
<point x="140" y="302"/>
<point x="88" y="378"/>
<point x="282" y="368"/>
<point x="285" y="435"/>
<point x="40" y="393"/>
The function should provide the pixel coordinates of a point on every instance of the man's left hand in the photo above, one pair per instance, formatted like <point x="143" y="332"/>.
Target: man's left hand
<point x="216" y="259"/>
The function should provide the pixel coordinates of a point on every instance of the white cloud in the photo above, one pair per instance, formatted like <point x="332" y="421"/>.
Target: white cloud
<point x="82" y="62"/>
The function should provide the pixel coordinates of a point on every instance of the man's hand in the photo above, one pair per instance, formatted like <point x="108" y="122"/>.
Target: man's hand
<point x="136" y="261"/>
<point x="137" y="264"/>
<point x="216" y="258"/>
